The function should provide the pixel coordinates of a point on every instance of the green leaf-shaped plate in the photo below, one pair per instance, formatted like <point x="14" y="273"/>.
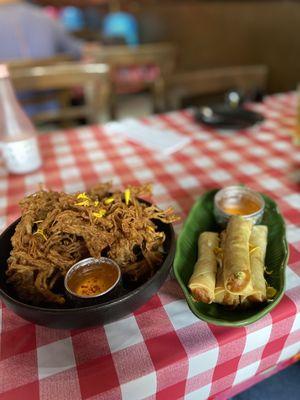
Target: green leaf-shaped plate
<point x="201" y="219"/>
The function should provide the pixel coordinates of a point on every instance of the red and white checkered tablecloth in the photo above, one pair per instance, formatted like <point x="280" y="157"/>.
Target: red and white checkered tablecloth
<point x="162" y="351"/>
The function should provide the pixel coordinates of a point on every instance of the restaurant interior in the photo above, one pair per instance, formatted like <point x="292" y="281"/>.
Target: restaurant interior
<point x="156" y="143"/>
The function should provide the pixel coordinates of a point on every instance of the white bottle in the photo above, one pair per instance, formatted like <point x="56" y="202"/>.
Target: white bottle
<point x="18" y="138"/>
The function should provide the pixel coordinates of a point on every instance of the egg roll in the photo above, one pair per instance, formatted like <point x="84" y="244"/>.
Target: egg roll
<point x="202" y="282"/>
<point x="258" y="246"/>
<point x="236" y="267"/>
<point x="221" y="295"/>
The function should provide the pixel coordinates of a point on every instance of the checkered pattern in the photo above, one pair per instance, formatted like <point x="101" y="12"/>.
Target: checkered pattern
<point x="162" y="351"/>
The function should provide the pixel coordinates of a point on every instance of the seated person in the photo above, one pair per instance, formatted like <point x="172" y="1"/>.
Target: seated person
<point x="26" y="32"/>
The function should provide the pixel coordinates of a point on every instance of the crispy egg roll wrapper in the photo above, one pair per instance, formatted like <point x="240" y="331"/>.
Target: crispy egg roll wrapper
<point x="221" y="295"/>
<point x="258" y="242"/>
<point x="236" y="267"/>
<point x="202" y="282"/>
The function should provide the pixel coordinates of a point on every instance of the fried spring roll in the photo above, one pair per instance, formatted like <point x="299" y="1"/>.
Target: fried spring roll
<point x="202" y="282"/>
<point x="221" y="295"/>
<point x="258" y="242"/>
<point x="236" y="267"/>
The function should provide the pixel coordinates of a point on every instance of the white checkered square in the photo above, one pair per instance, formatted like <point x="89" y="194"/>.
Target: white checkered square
<point x="59" y="139"/>
<point x="272" y="184"/>
<point x="103" y="166"/>
<point x="3" y="202"/>
<point x="69" y="173"/>
<point x="203" y="162"/>
<point x="66" y="160"/>
<point x="289" y="351"/>
<point x="140" y="388"/>
<point x="255" y="340"/>
<point x="282" y="145"/>
<point x="246" y="373"/>
<point x="257" y="151"/>
<point x="90" y="144"/>
<point x="292" y="279"/>
<point x="293" y="200"/>
<point x="180" y="314"/>
<point x="134" y="162"/>
<point x="199" y="394"/>
<point x="55" y="357"/>
<point x="174" y="168"/>
<point x="188" y="182"/>
<point x="230" y="156"/>
<point x="203" y="362"/>
<point x="96" y="155"/>
<point x="2" y="223"/>
<point x="62" y="149"/>
<point x="215" y="145"/>
<point x="34" y="179"/>
<point x="241" y="140"/>
<point x="125" y="150"/>
<point x="144" y="174"/>
<point x="293" y="233"/>
<point x="220" y="175"/>
<point x="296" y="324"/>
<point x="85" y="135"/>
<point x="122" y="334"/>
<point x="249" y="169"/>
<point x="277" y="163"/>
<point x="159" y="190"/>
<point x="3" y="184"/>
<point x="74" y="187"/>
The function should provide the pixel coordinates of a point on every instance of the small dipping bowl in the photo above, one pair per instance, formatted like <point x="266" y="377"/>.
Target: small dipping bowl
<point x="238" y="200"/>
<point x="92" y="279"/>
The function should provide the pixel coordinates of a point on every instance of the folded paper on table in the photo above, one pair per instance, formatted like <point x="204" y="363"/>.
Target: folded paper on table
<point x="161" y="140"/>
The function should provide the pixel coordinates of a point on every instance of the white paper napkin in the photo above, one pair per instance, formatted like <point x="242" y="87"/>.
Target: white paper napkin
<point x="161" y="140"/>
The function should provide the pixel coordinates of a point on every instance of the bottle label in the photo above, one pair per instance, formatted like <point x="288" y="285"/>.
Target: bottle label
<point x="21" y="156"/>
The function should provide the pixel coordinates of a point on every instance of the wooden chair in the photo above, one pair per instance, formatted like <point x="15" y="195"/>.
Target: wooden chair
<point x="61" y="79"/>
<point x="214" y="81"/>
<point x="162" y="55"/>
<point x="38" y="62"/>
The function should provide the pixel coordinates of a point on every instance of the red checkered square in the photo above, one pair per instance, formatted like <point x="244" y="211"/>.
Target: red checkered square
<point x="18" y="370"/>
<point x="17" y="341"/>
<point x="132" y="362"/>
<point x="10" y="320"/>
<point x="97" y="376"/>
<point x="45" y="335"/>
<point x="161" y="326"/>
<point x="176" y="391"/>
<point x="29" y="391"/>
<point x="169" y="359"/>
<point x="90" y="344"/>
<point x="64" y="385"/>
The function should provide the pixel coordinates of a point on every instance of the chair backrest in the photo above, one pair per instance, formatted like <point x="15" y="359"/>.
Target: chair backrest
<point x="38" y="62"/>
<point x="215" y="81"/>
<point x="161" y="54"/>
<point x="60" y="80"/>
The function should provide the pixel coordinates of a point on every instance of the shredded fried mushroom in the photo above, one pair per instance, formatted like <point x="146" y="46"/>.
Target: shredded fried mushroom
<point x="58" y="229"/>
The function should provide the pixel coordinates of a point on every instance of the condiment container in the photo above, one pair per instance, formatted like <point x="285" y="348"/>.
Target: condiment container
<point x="18" y="137"/>
<point x="92" y="279"/>
<point x="238" y="200"/>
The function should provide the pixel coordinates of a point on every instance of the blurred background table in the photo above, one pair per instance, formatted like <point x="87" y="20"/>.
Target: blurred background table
<point x="161" y="351"/>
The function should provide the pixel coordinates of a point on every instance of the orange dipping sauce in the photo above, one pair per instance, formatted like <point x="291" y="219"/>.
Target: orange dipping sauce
<point x="244" y="206"/>
<point x="98" y="279"/>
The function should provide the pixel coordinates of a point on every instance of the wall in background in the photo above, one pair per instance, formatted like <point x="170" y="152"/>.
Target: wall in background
<point x="222" y="33"/>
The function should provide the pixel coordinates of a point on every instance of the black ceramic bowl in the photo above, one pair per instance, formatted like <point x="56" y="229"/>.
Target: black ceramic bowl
<point x="79" y="317"/>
